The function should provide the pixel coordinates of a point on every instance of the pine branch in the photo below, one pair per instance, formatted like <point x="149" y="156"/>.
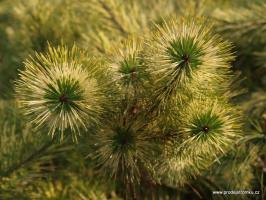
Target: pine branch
<point x="24" y="162"/>
<point x="113" y="17"/>
<point x="243" y="26"/>
<point x="180" y="69"/>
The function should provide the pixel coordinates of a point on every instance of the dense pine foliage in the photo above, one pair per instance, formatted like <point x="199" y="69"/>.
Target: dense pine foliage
<point x="132" y="99"/>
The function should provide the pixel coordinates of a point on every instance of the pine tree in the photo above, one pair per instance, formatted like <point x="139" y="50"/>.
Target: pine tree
<point x="115" y="99"/>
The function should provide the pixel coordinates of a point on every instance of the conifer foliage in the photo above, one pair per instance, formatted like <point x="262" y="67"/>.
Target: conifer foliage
<point x="123" y="99"/>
